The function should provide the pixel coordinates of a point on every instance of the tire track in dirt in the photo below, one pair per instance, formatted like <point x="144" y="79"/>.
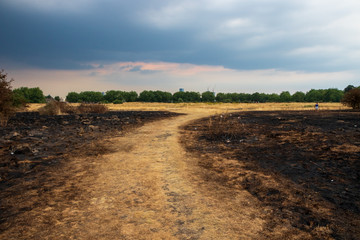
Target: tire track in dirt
<point x="149" y="189"/>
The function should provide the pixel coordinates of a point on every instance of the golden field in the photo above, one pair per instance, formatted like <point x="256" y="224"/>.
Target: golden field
<point x="212" y="107"/>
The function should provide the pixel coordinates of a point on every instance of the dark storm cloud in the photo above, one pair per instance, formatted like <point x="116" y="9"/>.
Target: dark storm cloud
<point x="294" y="35"/>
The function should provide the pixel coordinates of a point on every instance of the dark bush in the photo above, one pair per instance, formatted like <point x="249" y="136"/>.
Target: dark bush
<point x="352" y="98"/>
<point x="9" y="103"/>
<point x="118" y="101"/>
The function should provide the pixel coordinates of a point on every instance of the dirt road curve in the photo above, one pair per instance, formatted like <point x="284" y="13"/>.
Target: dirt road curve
<point x="146" y="189"/>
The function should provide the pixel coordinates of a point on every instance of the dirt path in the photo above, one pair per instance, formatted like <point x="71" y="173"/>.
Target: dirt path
<point x="147" y="189"/>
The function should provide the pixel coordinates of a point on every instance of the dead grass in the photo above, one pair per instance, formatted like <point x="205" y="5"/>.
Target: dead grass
<point x="59" y="108"/>
<point x="206" y="107"/>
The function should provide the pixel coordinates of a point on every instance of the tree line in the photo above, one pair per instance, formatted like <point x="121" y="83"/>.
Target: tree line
<point x="114" y="96"/>
<point x="13" y="100"/>
<point x="35" y="95"/>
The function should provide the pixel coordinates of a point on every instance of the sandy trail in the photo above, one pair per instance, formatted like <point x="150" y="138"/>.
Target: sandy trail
<point x="149" y="189"/>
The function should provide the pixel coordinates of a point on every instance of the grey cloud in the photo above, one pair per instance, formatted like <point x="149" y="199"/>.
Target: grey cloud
<point x="236" y="34"/>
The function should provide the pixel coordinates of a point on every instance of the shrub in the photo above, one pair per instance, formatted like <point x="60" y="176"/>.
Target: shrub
<point x="352" y="98"/>
<point x="118" y="101"/>
<point x="9" y="103"/>
<point x="92" y="108"/>
<point x="57" y="108"/>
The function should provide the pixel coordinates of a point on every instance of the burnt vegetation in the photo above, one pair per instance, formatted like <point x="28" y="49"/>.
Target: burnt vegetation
<point x="35" y="148"/>
<point x="352" y="98"/>
<point x="303" y="167"/>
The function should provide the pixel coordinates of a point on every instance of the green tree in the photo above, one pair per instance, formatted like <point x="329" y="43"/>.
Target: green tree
<point x="113" y="95"/>
<point x="285" y="96"/>
<point x="274" y="97"/>
<point x="73" y="97"/>
<point x="131" y="96"/>
<point x="333" y="95"/>
<point x="314" y="95"/>
<point x="187" y="96"/>
<point x="348" y="88"/>
<point x="179" y="97"/>
<point x="208" y="96"/>
<point x="147" y="96"/>
<point x="161" y="96"/>
<point x="31" y="95"/>
<point x="91" y="97"/>
<point x="193" y="97"/>
<point x="220" y="97"/>
<point x="298" y="97"/>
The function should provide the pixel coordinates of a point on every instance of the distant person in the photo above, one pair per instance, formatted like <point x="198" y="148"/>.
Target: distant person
<point x="317" y="106"/>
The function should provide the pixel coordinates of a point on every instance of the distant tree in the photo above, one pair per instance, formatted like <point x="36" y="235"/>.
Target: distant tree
<point x="255" y="97"/>
<point x="285" y="96"/>
<point x="147" y="96"/>
<point x="235" y="97"/>
<point x="31" y="95"/>
<point x="208" y="96"/>
<point x="179" y="97"/>
<point x="193" y="97"/>
<point x="161" y="96"/>
<point x="57" y="98"/>
<point x="352" y="98"/>
<point x="113" y="95"/>
<point x="333" y="95"/>
<point x="73" y="97"/>
<point x="91" y="97"/>
<point x="298" y="97"/>
<point x="245" y="97"/>
<point x="273" y="97"/>
<point x="187" y="96"/>
<point x="131" y="96"/>
<point x="348" y="88"/>
<point x="220" y="97"/>
<point x="48" y="98"/>
<point x="314" y="95"/>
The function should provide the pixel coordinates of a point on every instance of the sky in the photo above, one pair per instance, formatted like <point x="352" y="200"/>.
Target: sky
<point x="247" y="46"/>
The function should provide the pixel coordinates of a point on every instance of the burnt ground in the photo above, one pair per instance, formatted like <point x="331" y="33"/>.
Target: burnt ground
<point x="34" y="149"/>
<point x="302" y="166"/>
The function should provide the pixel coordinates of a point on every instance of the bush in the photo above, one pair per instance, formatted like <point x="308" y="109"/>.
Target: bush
<point x="9" y="103"/>
<point x="352" y="98"/>
<point x="118" y="101"/>
<point x="92" y="108"/>
<point x="57" y="108"/>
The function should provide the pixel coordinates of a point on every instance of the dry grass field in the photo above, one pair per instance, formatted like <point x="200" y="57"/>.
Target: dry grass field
<point x="213" y="107"/>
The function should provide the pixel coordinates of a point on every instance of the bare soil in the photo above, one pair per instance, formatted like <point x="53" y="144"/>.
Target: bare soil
<point x="302" y="167"/>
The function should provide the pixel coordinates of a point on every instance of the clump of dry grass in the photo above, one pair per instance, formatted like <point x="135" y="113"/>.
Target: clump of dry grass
<point x="59" y="108"/>
<point x="92" y="108"/>
<point x="56" y="108"/>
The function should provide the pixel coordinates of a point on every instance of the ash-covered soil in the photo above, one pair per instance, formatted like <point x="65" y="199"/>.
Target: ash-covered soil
<point x="33" y="147"/>
<point x="303" y="167"/>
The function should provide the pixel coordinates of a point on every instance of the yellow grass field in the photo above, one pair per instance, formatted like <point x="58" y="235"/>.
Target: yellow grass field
<point x="213" y="107"/>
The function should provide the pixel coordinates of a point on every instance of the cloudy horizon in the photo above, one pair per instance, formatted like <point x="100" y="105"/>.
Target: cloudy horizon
<point x="221" y="45"/>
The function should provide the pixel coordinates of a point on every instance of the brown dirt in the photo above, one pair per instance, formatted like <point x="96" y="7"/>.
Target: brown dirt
<point x="302" y="167"/>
